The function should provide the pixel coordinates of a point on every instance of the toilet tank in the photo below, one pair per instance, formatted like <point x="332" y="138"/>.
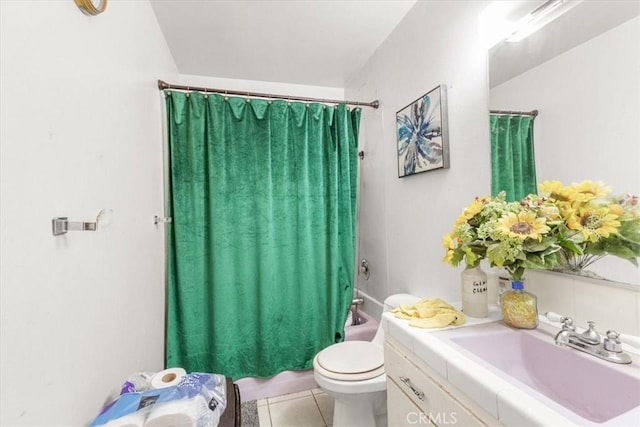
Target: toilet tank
<point x="395" y="300"/>
<point x="390" y="303"/>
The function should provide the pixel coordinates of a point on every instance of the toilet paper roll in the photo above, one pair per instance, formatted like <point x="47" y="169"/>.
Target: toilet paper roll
<point x="183" y="413"/>
<point x="136" y="419"/>
<point x="167" y="378"/>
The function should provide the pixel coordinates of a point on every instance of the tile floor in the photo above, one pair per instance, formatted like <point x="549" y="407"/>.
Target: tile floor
<point x="311" y="408"/>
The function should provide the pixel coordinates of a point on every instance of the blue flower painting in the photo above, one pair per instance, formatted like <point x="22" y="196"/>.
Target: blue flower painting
<point x="422" y="139"/>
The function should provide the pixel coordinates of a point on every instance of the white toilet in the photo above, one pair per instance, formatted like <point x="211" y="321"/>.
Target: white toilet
<point x="352" y="372"/>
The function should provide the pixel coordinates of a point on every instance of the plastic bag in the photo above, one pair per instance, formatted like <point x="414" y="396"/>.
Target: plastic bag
<point x="140" y="381"/>
<point x="197" y="401"/>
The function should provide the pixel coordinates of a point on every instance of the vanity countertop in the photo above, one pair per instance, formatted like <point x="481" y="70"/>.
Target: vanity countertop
<point x="511" y="401"/>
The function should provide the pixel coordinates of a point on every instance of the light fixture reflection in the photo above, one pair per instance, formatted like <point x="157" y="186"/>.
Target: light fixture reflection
<point x="515" y="20"/>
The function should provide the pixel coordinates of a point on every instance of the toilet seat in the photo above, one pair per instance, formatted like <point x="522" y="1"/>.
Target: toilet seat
<point x="353" y="374"/>
<point x="350" y="361"/>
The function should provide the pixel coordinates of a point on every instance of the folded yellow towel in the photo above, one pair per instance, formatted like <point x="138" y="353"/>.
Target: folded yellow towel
<point x="429" y="313"/>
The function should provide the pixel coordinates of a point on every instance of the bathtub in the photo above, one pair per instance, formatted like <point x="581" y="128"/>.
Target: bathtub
<point x="363" y="330"/>
<point x="295" y="381"/>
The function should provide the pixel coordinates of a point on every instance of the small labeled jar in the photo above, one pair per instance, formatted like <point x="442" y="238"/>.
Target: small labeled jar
<point x="475" y="296"/>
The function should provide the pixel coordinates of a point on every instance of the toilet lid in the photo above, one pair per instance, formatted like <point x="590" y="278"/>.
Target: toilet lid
<point x="351" y="357"/>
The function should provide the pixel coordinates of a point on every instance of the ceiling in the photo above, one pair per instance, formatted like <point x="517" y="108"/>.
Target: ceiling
<point x="308" y="42"/>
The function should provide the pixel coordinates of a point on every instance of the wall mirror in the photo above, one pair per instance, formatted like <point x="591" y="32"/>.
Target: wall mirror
<point x="582" y="73"/>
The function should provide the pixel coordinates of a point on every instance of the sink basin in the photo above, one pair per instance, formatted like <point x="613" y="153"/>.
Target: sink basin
<point x="591" y="388"/>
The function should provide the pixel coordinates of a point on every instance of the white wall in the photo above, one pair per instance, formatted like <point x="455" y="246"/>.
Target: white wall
<point x="402" y="221"/>
<point x="611" y="305"/>
<point x="261" y="86"/>
<point x="81" y="130"/>
<point x="588" y="127"/>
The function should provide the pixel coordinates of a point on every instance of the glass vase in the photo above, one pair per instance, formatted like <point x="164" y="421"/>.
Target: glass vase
<point x="475" y="298"/>
<point x="520" y="308"/>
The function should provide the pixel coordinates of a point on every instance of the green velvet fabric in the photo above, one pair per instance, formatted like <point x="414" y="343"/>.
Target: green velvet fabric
<point x="513" y="168"/>
<point x="261" y="250"/>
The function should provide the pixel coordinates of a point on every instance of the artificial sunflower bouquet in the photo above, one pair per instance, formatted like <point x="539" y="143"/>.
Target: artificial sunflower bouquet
<point x="594" y="223"/>
<point x="510" y="235"/>
<point x="565" y="227"/>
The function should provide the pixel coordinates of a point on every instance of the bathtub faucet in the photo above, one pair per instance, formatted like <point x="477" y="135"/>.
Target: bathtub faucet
<point x="355" y="302"/>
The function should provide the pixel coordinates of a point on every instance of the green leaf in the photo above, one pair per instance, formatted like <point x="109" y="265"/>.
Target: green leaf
<point x="571" y="246"/>
<point x="456" y="258"/>
<point x="470" y="257"/>
<point x="575" y="236"/>
<point x="534" y="261"/>
<point x="495" y="255"/>
<point x="630" y="231"/>
<point x="621" y="251"/>
<point x="615" y="246"/>
<point x="534" y="246"/>
<point x="551" y="257"/>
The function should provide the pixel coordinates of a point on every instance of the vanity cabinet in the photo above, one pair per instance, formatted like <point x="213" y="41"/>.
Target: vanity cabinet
<point x="419" y="396"/>
<point x="401" y="411"/>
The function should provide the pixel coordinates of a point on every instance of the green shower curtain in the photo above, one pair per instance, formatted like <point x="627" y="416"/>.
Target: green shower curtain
<point x="513" y="167"/>
<point x="261" y="251"/>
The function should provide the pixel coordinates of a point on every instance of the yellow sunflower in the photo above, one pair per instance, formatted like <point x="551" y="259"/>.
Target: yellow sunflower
<point x="549" y="212"/>
<point x="462" y="218"/>
<point x="594" y="222"/>
<point x="566" y="211"/>
<point x="449" y="243"/>
<point x="616" y="209"/>
<point x="555" y="190"/>
<point x="472" y="210"/>
<point x="449" y="256"/>
<point x="523" y="225"/>
<point x="476" y="206"/>
<point x="586" y="191"/>
<point x="550" y="187"/>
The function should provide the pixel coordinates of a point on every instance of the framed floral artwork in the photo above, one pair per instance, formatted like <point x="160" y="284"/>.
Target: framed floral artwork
<point x="422" y="132"/>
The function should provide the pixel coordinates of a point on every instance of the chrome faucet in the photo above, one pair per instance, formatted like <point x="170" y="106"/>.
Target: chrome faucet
<point x="589" y="341"/>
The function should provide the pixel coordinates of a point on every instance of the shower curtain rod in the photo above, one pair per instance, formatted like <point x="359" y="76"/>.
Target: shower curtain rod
<point x="164" y="85"/>
<point x="533" y="113"/>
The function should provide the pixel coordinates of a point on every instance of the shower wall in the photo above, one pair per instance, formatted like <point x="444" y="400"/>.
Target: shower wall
<point x="402" y="221"/>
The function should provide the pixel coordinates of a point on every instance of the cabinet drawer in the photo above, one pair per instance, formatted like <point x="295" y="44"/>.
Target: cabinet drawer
<point x="402" y="411"/>
<point x="425" y="392"/>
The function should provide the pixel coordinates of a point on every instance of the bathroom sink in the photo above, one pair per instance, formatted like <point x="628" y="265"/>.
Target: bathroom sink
<point x="589" y="387"/>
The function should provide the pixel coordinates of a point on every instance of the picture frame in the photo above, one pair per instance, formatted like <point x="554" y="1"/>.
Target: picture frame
<point x="423" y="134"/>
